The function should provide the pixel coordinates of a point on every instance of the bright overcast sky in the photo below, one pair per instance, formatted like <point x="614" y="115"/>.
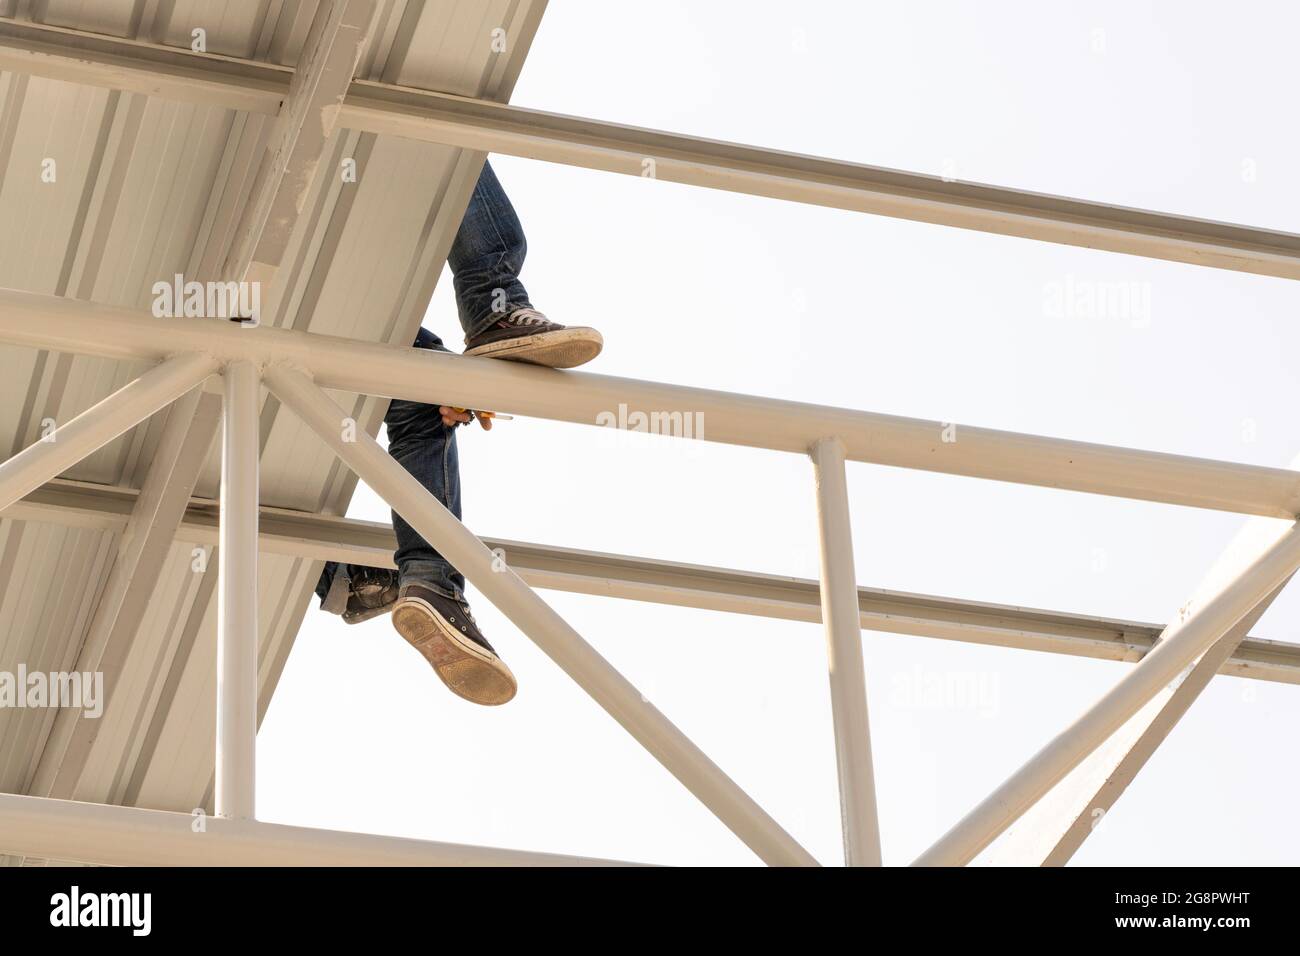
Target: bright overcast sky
<point x="1173" y="107"/>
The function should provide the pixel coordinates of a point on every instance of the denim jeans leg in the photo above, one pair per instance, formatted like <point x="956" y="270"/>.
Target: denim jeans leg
<point x="487" y="256"/>
<point x="326" y="579"/>
<point x="424" y="446"/>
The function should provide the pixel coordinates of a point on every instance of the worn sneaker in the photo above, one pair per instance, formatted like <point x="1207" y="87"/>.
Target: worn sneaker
<point x="444" y="631"/>
<point x="360" y="593"/>
<point x="525" y="335"/>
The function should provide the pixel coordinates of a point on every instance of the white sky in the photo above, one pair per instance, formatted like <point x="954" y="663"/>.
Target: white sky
<point x="1155" y="105"/>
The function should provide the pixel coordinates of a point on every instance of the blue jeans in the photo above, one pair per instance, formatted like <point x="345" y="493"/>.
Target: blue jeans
<point x="486" y="258"/>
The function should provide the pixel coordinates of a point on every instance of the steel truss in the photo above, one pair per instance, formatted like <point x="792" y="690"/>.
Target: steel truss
<point x="331" y="538"/>
<point x="296" y="366"/>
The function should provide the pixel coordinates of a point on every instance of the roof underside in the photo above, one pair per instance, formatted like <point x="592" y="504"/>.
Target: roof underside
<point x="145" y="189"/>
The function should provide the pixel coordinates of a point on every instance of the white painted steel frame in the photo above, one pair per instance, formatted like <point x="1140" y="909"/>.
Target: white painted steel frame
<point x="1067" y="815"/>
<point x="57" y="829"/>
<point x="839" y="594"/>
<point x="192" y="353"/>
<point x="147" y="535"/>
<point x="319" y="537"/>
<point x="1204" y="626"/>
<point x="131" y="836"/>
<point x="237" y="629"/>
<point x="69" y="443"/>
<point x="289" y="163"/>
<point x="535" y="618"/>
<point x="1051" y="831"/>
<point x="50" y="322"/>
<point x="180" y="373"/>
<point x="110" y="62"/>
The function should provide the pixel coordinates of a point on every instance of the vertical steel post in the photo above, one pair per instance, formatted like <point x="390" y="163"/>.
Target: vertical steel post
<point x="839" y="592"/>
<point x="237" y="629"/>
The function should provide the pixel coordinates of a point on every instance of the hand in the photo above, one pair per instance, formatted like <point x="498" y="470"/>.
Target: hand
<point x="451" y="417"/>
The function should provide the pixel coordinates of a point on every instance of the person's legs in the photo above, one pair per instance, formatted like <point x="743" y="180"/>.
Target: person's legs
<point x="426" y="447"/>
<point x="428" y="600"/>
<point x="499" y="321"/>
<point x="487" y="256"/>
<point x="430" y="610"/>
<point x="326" y="579"/>
<point x="355" y="591"/>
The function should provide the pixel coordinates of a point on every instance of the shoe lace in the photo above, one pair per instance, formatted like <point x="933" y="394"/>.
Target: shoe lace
<point x="527" y="317"/>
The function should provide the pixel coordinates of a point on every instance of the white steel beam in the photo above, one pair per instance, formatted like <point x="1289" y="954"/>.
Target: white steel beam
<point x="332" y="538"/>
<point x="327" y="537"/>
<point x="385" y="109"/>
<point x="535" y="618"/>
<point x="129" y="836"/>
<point x="612" y="147"/>
<point x="305" y="124"/>
<point x="137" y="66"/>
<point x="237" y="630"/>
<point x="839" y="600"/>
<point x="50" y="322"/>
<point x="1205" y="625"/>
<point x="98" y="425"/>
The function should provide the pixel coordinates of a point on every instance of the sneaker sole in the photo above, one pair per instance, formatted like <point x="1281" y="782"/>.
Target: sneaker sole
<point x="358" y="617"/>
<point x="563" y="348"/>
<point x="468" y="670"/>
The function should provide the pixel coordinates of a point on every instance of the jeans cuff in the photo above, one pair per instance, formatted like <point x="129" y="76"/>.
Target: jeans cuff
<point x="432" y="575"/>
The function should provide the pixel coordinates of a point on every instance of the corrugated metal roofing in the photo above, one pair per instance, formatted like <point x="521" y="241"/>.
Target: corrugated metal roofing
<point x="148" y="188"/>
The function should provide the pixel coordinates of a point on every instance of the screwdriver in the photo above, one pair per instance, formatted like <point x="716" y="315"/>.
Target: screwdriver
<point x="497" y="415"/>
